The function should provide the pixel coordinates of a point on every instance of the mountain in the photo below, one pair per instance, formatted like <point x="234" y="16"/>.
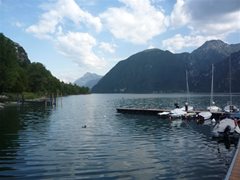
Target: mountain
<point x="88" y="80"/>
<point x="145" y="72"/>
<point x="221" y="73"/>
<point x="211" y="52"/>
<point x="19" y="75"/>
<point x="155" y="70"/>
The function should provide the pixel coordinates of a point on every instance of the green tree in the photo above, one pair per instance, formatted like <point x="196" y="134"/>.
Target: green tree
<point x="37" y="77"/>
<point x="18" y="74"/>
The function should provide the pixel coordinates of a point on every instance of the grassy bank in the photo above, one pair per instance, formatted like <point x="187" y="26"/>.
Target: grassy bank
<point x="19" y="96"/>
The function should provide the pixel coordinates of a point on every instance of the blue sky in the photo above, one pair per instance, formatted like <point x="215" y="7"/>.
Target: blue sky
<point x="72" y="37"/>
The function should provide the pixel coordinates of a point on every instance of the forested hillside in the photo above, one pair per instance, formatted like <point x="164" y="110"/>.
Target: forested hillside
<point x="18" y="74"/>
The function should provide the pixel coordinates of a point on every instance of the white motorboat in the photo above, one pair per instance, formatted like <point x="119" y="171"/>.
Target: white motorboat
<point x="226" y="126"/>
<point x="164" y="114"/>
<point x="205" y="114"/>
<point x="187" y="107"/>
<point x="177" y="113"/>
<point x="230" y="107"/>
<point x="180" y="112"/>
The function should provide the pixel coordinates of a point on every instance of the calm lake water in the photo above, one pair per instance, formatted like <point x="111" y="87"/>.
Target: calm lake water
<point x="38" y="142"/>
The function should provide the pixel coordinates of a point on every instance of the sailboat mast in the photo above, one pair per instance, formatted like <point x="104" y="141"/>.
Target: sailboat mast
<point x="230" y="80"/>
<point x="211" y="100"/>
<point x="187" y="86"/>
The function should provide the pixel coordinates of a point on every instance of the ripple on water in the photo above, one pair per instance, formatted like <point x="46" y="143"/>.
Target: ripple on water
<point x="50" y="143"/>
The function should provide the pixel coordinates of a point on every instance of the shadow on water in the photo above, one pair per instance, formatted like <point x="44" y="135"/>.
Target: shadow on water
<point x="14" y="119"/>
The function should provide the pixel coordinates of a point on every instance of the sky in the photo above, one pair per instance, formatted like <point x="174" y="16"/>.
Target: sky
<point x="72" y="37"/>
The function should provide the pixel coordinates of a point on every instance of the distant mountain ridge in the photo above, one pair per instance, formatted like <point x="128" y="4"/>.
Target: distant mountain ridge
<point x="156" y="70"/>
<point x="88" y="80"/>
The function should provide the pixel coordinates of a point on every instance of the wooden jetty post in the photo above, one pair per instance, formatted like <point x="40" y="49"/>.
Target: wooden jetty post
<point x="61" y="99"/>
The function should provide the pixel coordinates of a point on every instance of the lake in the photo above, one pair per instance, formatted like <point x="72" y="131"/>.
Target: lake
<point x="38" y="142"/>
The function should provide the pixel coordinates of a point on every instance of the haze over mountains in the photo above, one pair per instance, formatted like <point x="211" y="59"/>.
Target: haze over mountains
<point x="155" y="70"/>
<point x="88" y="80"/>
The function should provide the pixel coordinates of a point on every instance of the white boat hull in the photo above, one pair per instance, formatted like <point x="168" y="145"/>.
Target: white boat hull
<point x="176" y="113"/>
<point x="231" y="108"/>
<point x="220" y="128"/>
<point x="205" y="114"/>
<point x="214" y="109"/>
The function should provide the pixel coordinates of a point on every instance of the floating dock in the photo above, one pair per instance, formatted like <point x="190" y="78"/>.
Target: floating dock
<point x="215" y="115"/>
<point x="234" y="169"/>
<point x="140" y="111"/>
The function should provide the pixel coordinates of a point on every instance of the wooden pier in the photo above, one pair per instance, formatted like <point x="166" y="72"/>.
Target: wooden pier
<point x="215" y="115"/>
<point x="140" y="111"/>
<point x="234" y="169"/>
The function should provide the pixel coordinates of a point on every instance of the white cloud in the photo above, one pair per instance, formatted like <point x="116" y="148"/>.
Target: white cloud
<point x="57" y="12"/>
<point x="207" y="9"/>
<point x="67" y="76"/>
<point x="108" y="47"/>
<point x="151" y="47"/>
<point x="79" y="47"/>
<point x="138" y="21"/>
<point x="179" y="16"/>
<point x="206" y="20"/>
<point x="178" y="42"/>
<point x="225" y="24"/>
<point x="46" y="25"/>
<point x="18" y="24"/>
<point x="207" y="17"/>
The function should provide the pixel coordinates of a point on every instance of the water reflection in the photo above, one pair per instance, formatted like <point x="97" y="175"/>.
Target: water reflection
<point x="17" y="124"/>
<point x="46" y="143"/>
<point x="185" y="142"/>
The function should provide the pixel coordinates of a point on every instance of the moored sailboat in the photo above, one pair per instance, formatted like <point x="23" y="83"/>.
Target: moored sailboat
<point x="230" y="107"/>
<point x="228" y="126"/>
<point x="180" y="112"/>
<point x="213" y="107"/>
<point x="187" y="107"/>
<point x="184" y="111"/>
